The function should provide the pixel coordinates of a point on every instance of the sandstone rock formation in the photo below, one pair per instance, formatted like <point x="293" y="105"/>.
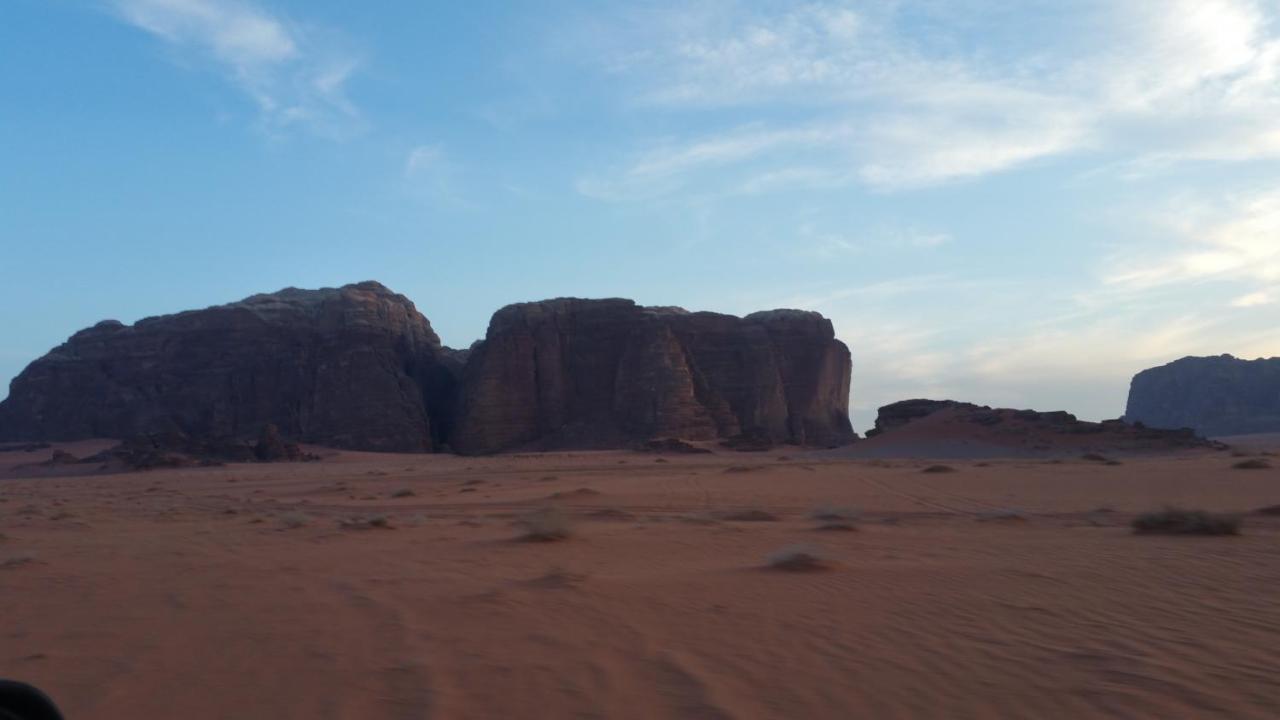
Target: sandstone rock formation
<point x="359" y="367"/>
<point x="1216" y="396"/>
<point x="355" y="367"/>
<point x="601" y="373"/>
<point x="977" y="429"/>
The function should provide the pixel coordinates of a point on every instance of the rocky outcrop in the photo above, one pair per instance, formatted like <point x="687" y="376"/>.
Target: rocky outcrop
<point x="605" y="373"/>
<point x="897" y="414"/>
<point x="354" y="367"/>
<point x="1216" y="396"/>
<point x="359" y="367"/>
<point x="952" y="424"/>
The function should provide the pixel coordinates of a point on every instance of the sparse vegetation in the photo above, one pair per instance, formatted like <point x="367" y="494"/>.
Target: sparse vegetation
<point x="294" y="520"/>
<point x="1095" y="457"/>
<point x="1175" y="521"/>
<point x="939" y="469"/>
<point x="1268" y="510"/>
<point x="368" y="522"/>
<point x="546" y="524"/>
<point x="14" y="561"/>
<point x="403" y="493"/>
<point x="798" y="558"/>
<point x="749" y="516"/>
<point x="1252" y="464"/>
<point x="1003" y="515"/>
<point x="835" y="518"/>
<point x="578" y="493"/>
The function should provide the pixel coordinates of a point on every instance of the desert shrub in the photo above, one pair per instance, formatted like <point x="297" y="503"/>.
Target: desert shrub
<point x="1003" y="515"/>
<point x="939" y="469"/>
<point x="546" y="524"/>
<point x="404" y="493"/>
<point x="294" y="520"/>
<point x="365" y="522"/>
<point x="1175" y="521"/>
<point x="1252" y="464"/>
<point x="18" y="560"/>
<point x="1095" y="457"/>
<point x="831" y="517"/>
<point x="749" y="516"/>
<point x="798" y="558"/>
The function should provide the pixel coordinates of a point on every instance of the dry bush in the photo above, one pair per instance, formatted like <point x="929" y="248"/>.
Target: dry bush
<point x="749" y="516"/>
<point x="404" y="493"/>
<point x="835" y="518"/>
<point x="546" y="524"/>
<point x="368" y="522"/>
<point x="1003" y="515"/>
<point x="294" y="520"/>
<point x="18" y="560"/>
<point x="1252" y="464"/>
<point x="798" y="558"/>
<point x="1175" y="521"/>
<point x="939" y="469"/>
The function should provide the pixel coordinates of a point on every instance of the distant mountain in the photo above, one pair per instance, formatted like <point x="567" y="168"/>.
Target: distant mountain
<point x="1216" y="396"/>
<point x="359" y="367"/>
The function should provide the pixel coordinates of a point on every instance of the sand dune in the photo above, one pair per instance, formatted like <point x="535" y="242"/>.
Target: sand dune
<point x="1006" y="589"/>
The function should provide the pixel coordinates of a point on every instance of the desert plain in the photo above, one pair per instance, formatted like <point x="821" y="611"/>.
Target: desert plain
<point x="400" y="586"/>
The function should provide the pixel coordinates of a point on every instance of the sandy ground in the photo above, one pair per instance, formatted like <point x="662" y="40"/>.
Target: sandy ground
<point x="234" y="592"/>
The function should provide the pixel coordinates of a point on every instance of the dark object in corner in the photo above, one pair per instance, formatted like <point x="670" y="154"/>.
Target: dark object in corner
<point x="19" y="701"/>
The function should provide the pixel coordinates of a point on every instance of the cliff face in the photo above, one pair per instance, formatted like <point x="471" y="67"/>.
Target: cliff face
<point x="355" y="367"/>
<point x="359" y="367"/>
<point x="1216" y="396"/>
<point x="603" y="373"/>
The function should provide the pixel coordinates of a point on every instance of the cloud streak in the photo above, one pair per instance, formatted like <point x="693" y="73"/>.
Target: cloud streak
<point x="890" y="108"/>
<point x="292" y="77"/>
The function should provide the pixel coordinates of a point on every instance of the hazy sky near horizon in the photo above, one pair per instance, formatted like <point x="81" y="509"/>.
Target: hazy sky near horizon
<point x="1017" y="203"/>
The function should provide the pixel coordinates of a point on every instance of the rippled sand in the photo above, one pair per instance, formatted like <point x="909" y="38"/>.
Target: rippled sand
<point x="1005" y="589"/>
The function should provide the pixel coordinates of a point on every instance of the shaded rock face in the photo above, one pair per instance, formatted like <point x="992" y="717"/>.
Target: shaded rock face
<point x="604" y="373"/>
<point x="897" y="414"/>
<point x="359" y="367"/>
<point x="1215" y="396"/>
<point x="354" y="367"/>
<point x="1040" y="430"/>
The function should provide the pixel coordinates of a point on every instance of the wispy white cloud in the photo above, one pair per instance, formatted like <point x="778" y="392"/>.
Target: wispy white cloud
<point x="293" y="77"/>
<point x="429" y="174"/>
<point x="1256" y="299"/>
<point x="1237" y="240"/>
<point x="1160" y="82"/>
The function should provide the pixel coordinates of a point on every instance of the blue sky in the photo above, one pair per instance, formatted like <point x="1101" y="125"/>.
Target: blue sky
<point x="1013" y="203"/>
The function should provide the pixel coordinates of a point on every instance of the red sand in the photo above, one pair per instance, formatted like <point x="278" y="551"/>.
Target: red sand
<point x="233" y="592"/>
